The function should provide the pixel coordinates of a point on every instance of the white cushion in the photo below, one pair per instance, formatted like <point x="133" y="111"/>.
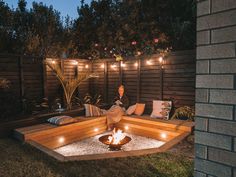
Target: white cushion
<point x="131" y="110"/>
<point x="161" y="109"/>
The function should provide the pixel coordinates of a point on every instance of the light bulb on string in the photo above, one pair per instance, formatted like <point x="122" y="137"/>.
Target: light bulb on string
<point x="160" y="59"/>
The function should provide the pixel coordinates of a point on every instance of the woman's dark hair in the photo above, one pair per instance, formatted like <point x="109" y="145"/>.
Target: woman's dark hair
<point x="121" y="86"/>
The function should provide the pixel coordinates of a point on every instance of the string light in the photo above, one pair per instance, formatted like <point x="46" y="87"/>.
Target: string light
<point x="102" y="66"/>
<point x="136" y="64"/>
<point x="53" y="62"/>
<point x="86" y="66"/>
<point x="123" y="64"/>
<point x="160" y="59"/>
<point x="96" y="129"/>
<point x="156" y="40"/>
<point x="139" y="53"/>
<point x="126" y="127"/>
<point x="75" y="62"/>
<point x="148" y="62"/>
<point x="113" y="66"/>
<point x="133" y="42"/>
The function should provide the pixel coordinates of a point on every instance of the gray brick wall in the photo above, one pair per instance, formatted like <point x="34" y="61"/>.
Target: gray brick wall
<point x="215" y="131"/>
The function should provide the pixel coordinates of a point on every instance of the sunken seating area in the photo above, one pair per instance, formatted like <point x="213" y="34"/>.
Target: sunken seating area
<point x="47" y="137"/>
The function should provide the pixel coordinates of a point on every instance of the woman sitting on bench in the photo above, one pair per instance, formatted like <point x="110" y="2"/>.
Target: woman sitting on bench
<point x="120" y="104"/>
<point x="115" y="113"/>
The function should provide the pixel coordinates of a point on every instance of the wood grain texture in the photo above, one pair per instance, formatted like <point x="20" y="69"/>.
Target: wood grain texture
<point x="142" y="126"/>
<point x="144" y="83"/>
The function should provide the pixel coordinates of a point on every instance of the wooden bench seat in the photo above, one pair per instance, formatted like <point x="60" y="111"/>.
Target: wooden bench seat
<point x="168" y="124"/>
<point x="52" y="136"/>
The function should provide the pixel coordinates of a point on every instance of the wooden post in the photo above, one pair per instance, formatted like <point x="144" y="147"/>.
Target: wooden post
<point x="106" y="81"/>
<point x="62" y="91"/>
<point x="21" y="79"/>
<point x="91" y="80"/>
<point x="76" y="70"/>
<point x="44" y="79"/>
<point x="120" y="73"/>
<point x="161" y="81"/>
<point x="138" y="79"/>
<point x="76" y="75"/>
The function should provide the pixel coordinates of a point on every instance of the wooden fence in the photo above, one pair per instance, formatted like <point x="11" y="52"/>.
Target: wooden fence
<point x="144" y="79"/>
<point x="31" y="79"/>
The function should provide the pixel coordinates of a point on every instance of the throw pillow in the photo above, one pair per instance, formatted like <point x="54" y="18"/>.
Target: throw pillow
<point x="91" y="110"/>
<point x="131" y="110"/>
<point x="139" y="109"/>
<point x="161" y="109"/>
<point x="61" y="120"/>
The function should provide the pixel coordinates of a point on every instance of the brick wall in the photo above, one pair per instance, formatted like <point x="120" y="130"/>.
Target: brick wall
<point x="215" y="135"/>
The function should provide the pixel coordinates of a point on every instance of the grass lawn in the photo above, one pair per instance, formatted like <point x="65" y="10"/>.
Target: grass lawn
<point x="17" y="160"/>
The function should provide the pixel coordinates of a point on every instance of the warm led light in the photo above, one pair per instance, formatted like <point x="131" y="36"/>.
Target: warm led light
<point x="96" y="129"/>
<point x="148" y="62"/>
<point x="126" y="127"/>
<point x="61" y="140"/>
<point x="136" y="64"/>
<point x="160" y="59"/>
<point x="102" y="66"/>
<point x="75" y="62"/>
<point x="86" y="66"/>
<point x="163" y="135"/>
<point x="53" y="62"/>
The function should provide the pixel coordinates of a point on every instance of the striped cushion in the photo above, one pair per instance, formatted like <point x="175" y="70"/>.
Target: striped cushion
<point x="91" y="111"/>
<point x="61" y="120"/>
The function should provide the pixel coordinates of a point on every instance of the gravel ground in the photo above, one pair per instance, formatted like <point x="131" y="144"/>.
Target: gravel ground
<point x="94" y="146"/>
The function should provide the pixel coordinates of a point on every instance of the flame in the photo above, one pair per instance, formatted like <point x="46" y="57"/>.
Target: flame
<point x="116" y="136"/>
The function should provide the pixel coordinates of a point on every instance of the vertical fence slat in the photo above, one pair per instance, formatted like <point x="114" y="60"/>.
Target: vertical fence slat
<point x="138" y="79"/>
<point x="161" y="82"/>
<point x="106" y="81"/>
<point x="44" y="75"/>
<point x="120" y="73"/>
<point x="21" y="78"/>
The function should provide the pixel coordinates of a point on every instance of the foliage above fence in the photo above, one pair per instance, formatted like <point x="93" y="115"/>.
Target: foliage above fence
<point x="102" y="28"/>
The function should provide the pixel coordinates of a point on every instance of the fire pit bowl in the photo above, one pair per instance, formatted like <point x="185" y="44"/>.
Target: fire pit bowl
<point x="105" y="140"/>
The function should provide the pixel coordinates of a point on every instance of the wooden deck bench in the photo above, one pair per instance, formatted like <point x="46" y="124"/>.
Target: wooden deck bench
<point x="52" y="136"/>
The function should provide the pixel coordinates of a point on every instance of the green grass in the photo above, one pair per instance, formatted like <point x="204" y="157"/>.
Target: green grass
<point x="17" y="160"/>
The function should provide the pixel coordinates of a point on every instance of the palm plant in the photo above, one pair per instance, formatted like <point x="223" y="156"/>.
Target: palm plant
<point x="69" y="85"/>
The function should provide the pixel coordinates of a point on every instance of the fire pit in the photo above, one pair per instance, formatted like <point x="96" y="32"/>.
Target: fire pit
<point x="115" y="140"/>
